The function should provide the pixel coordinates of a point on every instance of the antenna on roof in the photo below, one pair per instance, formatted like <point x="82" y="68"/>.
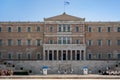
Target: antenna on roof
<point x="65" y="4"/>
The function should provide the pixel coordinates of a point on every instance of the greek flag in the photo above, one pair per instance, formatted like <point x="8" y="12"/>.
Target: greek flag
<point x="66" y="3"/>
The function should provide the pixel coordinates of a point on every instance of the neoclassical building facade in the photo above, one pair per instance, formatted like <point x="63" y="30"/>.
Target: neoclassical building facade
<point x="62" y="37"/>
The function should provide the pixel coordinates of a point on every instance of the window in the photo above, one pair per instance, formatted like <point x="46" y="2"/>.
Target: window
<point x="28" y="56"/>
<point x="38" y="41"/>
<point x="89" y="29"/>
<point x="89" y="56"/>
<point x="77" y="41"/>
<point x="19" y="29"/>
<point x="99" y="56"/>
<point x="118" y="42"/>
<point x="29" y="29"/>
<point x="28" y="42"/>
<point x="60" y="40"/>
<point x="59" y="29"/>
<point x="38" y="29"/>
<point x="99" y="42"/>
<point x="0" y="29"/>
<point x="68" y="28"/>
<point x="118" y="56"/>
<point x="0" y="55"/>
<point x="19" y="55"/>
<point x="108" y="42"/>
<point x="51" y="29"/>
<point x="51" y="41"/>
<point x="118" y="29"/>
<point x="9" y="56"/>
<point x="77" y="29"/>
<point x="109" y="29"/>
<point x="19" y="42"/>
<point x="64" y="28"/>
<point x="38" y="56"/>
<point x="90" y="42"/>
<point x="9" y="42"/>
<point x="99" y="29"/>
<point x="64" y="40"/>
<point x="0" y="42"/>
<point x="68" y="40"/>
<point x="108" y="56"/>
<point x="9" y="29"/>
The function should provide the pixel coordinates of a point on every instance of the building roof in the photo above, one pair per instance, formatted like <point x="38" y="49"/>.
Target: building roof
<point x="64" y="17"/>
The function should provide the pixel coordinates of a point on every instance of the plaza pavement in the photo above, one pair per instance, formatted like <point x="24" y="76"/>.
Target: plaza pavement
<point x="61" y="77"/>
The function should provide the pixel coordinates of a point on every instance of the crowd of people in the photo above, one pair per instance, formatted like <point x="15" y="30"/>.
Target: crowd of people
<point x="4" y="72"/>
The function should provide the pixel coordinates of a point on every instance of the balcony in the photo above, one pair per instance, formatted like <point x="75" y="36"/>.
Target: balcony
<point x="64" y="46"/>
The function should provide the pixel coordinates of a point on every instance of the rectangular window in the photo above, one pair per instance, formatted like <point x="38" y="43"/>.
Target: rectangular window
<point x="38" y="42"/>
<point x="9" y="29"/>
<point x="89" y="29"/>
<point x="77" y="29"/>
<point x="99" y="56"/>
<point x="68" y="40"/>
<point x="59" y="29"/>
<point x="9" y="56"/>
<point x="0" y="29"/>
<point x="19" y="56"/>
<point x="51" y="29"/>
<point x="64" y="40"/>
<point x="68" y="28"/>
<point x="118" y="42"/>
<point x="0" y="42"/>
<point x="28" y="56"/>
<point x="108" y="56"/>
<point x="109" y="29"/>
<point x="64" y="28"/>
<point x="77" y="41"/>
<point x="9" y="42"/>
<point x="59" y="40"/>
<point x="89" y="42"/>
<point x="29" y="29"/>
<point x="108" y="42"/>
<point x="99" y="29"/>
<point x="19" y="42"/>
<point x="99" y="42"/>
<point x="118" y="29"/>
<point x="89" y="56"/>
<point x="28" y="42"/>
<point x="38" y="29"/>
<point x="51" y="42"/>
<point x="19" y="29"/>
<point x="38" y="56"/>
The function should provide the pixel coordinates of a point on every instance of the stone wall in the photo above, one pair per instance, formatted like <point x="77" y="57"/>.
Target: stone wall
<point x="60" y="67"/>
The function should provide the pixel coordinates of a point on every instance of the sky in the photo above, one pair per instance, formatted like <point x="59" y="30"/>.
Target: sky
<point x="37" y="10"/>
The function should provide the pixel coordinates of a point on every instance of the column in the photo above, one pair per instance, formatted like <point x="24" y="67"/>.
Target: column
<point x="61" y="54"/>
<point x="52" y="54"/>
<point x="66" y="54"/>
<point x="75" y="54"/>
<point x="57" y="55"/>
<point x="70" y="54"/>
<point x="84" y="53"/>
<point x="80" y="54"/>
<point x="47" y="54"/>
<point x="44" y="55"/>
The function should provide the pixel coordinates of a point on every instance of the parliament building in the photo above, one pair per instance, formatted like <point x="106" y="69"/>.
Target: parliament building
<point x="64" y="43"/>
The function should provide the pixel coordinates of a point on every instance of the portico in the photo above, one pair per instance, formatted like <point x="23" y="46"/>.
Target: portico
<point x="64" y="52"/>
